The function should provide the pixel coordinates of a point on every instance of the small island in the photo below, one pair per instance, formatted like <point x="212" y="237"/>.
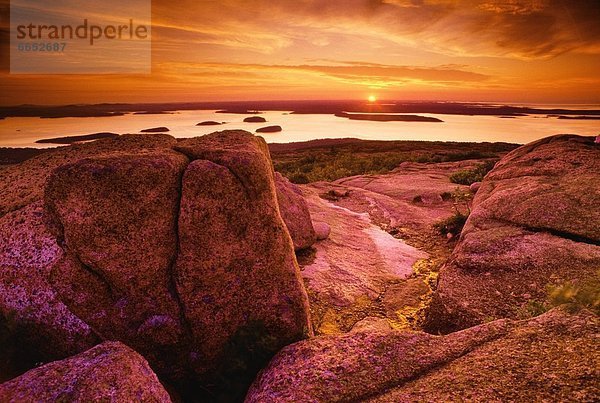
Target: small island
<point x="255" y="119"/>
<point x="153" y="113"/>
<point x="579" y="117"/>
<point x="240" y="111"/>
<point x="209" y="123"/>
<point x="161" y="129"/>
<point x="269" y="129"/>
<point x="375" y="117"/>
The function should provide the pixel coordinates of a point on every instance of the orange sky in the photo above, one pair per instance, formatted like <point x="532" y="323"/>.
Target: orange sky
<point x="507" y="51"/>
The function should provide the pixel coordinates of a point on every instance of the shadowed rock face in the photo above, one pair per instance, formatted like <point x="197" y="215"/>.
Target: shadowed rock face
<point x="478" y="364"/>
<point x="234" y="248"/>
<point x="33" y="312"/>
<point x="188" y="263"/>
<point x="295" y="214"/>
<point x="534" y="224"/>
<point x="108" y="372"/>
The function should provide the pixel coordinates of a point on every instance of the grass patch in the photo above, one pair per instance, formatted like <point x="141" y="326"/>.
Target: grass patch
<point x="334" y="165"/>
<point x="586" y="295"/>
<point x="469" y="176"/>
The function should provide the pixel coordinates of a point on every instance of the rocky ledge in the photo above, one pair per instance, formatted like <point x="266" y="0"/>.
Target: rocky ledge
<point x="110" y="371"/>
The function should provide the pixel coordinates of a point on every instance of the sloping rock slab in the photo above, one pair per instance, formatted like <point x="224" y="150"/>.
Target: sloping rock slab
<point x="108" y="372"/>
<point x="414" y="195"/>
<point x="552" y="357"/>
<point x="358" y="258"/>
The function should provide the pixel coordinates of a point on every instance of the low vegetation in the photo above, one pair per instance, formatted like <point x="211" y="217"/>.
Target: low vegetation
<point x="335" y="162"/>
<point x="585" y="295"/>
<point x="469" y="176"/>
<point x="575" y="296"/>
<point x="454" y="224"/>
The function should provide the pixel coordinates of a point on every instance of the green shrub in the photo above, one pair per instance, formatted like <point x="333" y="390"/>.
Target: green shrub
<point x="332" y="166"/>
<point x="452" y="225"/>
<point x="461" y="201"/>
<point x="534" y="308"/>
<point x="469" y="176"/>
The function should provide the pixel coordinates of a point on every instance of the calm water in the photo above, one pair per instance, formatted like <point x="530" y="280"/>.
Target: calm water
<point x="23" y="132"/>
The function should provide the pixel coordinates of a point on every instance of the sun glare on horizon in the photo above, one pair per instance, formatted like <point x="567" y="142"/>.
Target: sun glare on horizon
<point x="372" y="98"/>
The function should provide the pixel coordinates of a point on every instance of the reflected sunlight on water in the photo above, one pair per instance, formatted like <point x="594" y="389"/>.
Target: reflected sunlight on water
<point x="23" y="132"/>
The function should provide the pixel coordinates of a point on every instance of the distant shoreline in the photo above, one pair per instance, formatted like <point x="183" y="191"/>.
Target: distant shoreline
<point x="294" y="107"/>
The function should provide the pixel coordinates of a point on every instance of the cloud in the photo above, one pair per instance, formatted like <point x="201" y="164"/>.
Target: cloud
<point x="358" y="73"/>
<point x="524" y="28"/>
<point x="237" y="48"/>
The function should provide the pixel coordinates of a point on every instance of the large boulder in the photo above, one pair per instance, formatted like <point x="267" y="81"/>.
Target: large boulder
<point x="236" y="273"/>
<point x="294" y="211"/>
<point x="550" y="357"/>
<point x="549" y="185"/>
<point x="534" y="227"/>
<point x="116" y="218"/>
<point x="188" y="263"/>
<point x="109" y="372"/>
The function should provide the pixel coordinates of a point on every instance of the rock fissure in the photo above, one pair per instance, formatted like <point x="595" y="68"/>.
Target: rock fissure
<point x="172" y="282"/>
<point x="551" y="231"/>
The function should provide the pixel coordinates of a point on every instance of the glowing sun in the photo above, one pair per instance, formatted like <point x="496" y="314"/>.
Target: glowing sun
<point x="372" y="98"/>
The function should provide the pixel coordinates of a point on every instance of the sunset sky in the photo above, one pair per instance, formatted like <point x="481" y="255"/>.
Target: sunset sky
<point x="506" y="51"/>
